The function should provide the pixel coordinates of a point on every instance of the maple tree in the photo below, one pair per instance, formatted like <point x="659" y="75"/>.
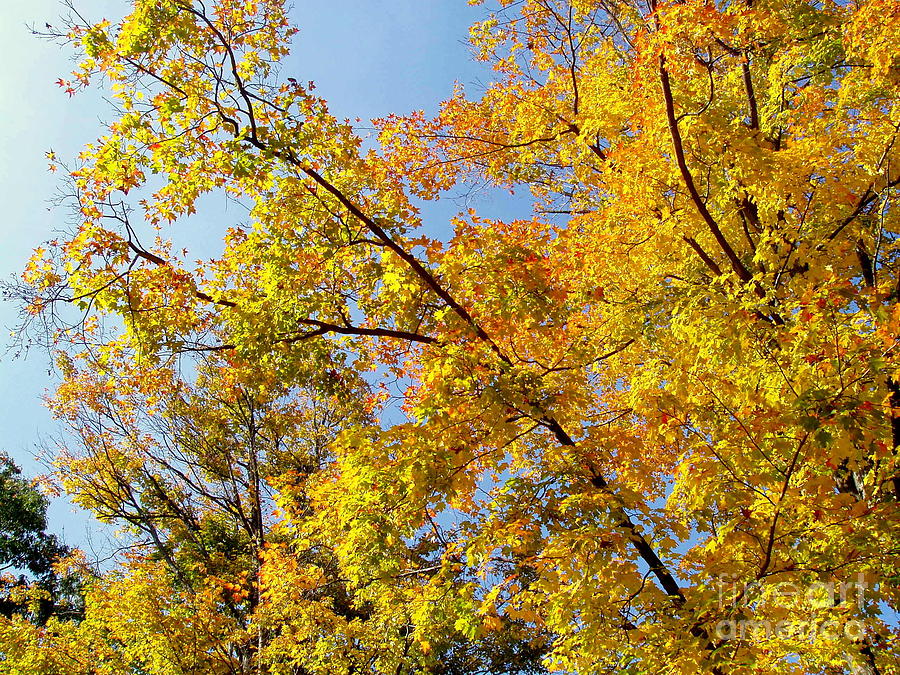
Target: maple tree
<point x="631" y="433"/>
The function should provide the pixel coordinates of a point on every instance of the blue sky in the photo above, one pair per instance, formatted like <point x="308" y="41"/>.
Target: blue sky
<point x="35" y="116"/>
<point x="367" y="57"/>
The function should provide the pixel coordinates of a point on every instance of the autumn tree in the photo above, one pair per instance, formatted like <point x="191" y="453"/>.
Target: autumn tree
<point x="215" y="580"/>
<point x="656" y="423"/>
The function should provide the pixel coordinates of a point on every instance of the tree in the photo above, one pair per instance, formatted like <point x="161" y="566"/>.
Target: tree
<point x="655" y="423"/>
<point x="30" y="583"/>
<point x="215" y="580"/>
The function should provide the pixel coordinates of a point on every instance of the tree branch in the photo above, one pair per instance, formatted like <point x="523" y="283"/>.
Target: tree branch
<point x="678" y="147"/>
<point x="704" y="256"/>
<point x="323" y="328"/>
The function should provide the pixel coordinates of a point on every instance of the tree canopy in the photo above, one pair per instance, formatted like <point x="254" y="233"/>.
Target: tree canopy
<point x="650" y="428"/>
<point x="29" y="584"/>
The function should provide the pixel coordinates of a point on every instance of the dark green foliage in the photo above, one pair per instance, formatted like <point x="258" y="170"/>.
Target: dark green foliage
<point x="27" y="551"/>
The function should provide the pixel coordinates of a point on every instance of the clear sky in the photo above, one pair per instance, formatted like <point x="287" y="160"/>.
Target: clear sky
<point x="367" y="57"/>
<point x="35" y="116"/>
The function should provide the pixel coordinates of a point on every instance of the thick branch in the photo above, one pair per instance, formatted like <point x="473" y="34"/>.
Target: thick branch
<point x="678" y="147"/>
<point x="417" y="267"/>
<point x="156" y="260"/>
<point x="867" y="198"/>
<point x="751" y="96"/>
<point x="704" y="256"/>
<point x="640" y="543"/>
<point x="894" y="400"/>
<point x="321" y="328"/>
